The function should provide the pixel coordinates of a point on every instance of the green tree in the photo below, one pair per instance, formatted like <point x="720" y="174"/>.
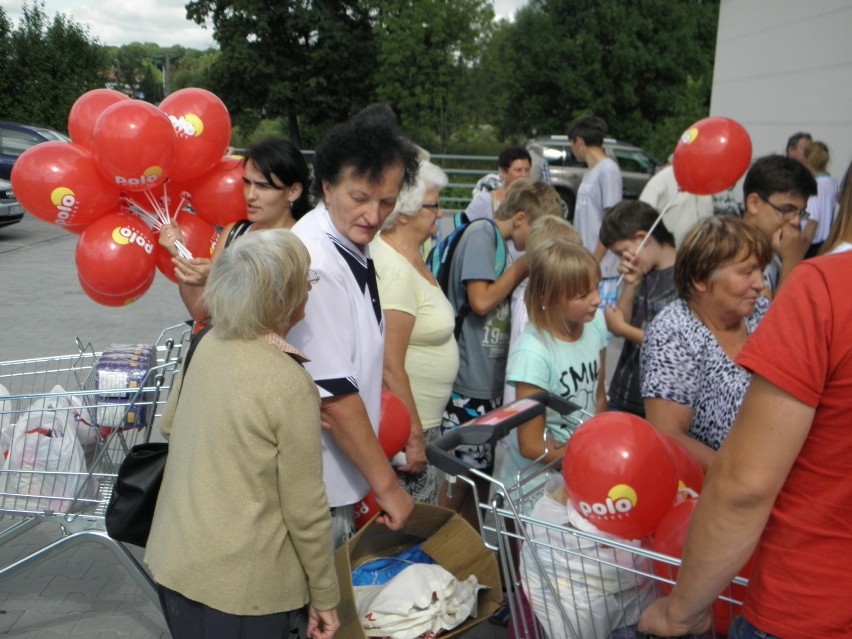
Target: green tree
<point x="310" y="63"/>
<point x="428" y="50"/>
<point x="636" y="63"/>
<point x="135" y="70"/>
<point x="47" y="66"/>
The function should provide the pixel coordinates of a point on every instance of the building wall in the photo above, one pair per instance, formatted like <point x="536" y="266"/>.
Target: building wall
<point x="784" y="66"/>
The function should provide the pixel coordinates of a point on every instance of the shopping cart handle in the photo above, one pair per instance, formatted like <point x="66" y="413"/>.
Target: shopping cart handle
<point x="491" y="428"/>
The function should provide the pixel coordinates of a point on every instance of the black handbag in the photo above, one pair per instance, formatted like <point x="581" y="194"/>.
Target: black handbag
<point x="131" y="508"/>
<point x="134" y="497"/>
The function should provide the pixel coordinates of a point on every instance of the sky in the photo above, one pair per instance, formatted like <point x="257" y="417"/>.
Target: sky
<point x="117" y="22"/>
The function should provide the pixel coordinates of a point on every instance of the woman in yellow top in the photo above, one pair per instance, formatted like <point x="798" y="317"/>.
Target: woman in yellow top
<point x="241" y="536"/>
<point x="421" y="356"/>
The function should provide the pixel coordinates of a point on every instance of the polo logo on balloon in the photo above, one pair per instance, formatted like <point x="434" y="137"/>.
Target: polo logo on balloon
<point x="124" y="236"/>
<point x="620" y="474"/>
<point x="149" y="177"/>
<point x="66" y="204"/>
<point x="187" y="126"/>
<point x="620" y="500"/>
<point x="689" y="136"/>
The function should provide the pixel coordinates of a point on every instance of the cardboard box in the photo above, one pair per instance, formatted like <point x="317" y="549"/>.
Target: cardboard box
<point x="445" y="536"/>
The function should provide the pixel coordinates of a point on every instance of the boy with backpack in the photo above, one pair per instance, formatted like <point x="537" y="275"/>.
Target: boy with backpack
<point x="478" y="278"/>
<point x="648" y="287"/>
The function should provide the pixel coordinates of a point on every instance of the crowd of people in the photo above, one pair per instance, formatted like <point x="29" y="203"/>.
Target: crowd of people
<point x="313" y="311"/>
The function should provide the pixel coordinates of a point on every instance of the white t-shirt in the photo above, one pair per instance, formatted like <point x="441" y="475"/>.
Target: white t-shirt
<point x="342" y="334"/>
<point x="599" y="191"/>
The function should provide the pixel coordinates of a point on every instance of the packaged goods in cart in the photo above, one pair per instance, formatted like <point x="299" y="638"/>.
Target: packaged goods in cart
<point x="600" y="588"/>
<point x="121" y="370"/>
<point x="43" y="465"/>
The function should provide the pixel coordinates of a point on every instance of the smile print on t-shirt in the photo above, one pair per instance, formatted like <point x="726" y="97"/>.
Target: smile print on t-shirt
<point x="579" y="382"/>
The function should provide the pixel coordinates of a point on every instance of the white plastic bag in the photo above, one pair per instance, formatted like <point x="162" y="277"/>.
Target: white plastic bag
<point x="422" y="599"/>
<point x="597" y="597"/>
<point x="42" y="459"/>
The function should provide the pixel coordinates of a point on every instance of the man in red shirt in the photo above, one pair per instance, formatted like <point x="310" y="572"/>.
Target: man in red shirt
<point x="780" y="482"/>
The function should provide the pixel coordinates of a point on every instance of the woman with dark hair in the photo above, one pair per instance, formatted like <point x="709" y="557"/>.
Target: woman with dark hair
<point x="691" y="386"/>
<point x="276" y="179"/>
<point x="359" y="170"/>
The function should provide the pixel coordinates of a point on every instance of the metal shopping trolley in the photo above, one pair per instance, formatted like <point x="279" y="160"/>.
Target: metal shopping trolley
<point x="66" y="424"/>
<point x="561" y="580"/>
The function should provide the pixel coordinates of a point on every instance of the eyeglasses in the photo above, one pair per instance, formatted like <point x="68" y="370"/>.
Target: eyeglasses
<point x="313" y="277"/>
<point x="434" y="207"/>
<point x="789" y="211"/>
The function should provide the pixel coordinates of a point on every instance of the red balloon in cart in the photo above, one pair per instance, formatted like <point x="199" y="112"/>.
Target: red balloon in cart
<point x="690" y="474"/>
<point x="670" y="539"/>
<point x="394" y="424"/>
<point x="620" y="474"/>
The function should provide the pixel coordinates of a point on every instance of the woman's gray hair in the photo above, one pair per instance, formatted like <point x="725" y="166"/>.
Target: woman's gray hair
<point x="257" y="283"/>
<point x="410" y="200"/>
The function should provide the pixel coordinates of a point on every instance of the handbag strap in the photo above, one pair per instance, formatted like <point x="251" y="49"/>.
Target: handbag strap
<point x="193" y="344"/>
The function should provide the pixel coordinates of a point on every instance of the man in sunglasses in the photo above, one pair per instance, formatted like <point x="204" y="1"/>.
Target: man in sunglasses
<point x="775" y="192"/>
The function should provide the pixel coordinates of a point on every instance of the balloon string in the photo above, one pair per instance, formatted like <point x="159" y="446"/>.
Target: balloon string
<point x="156" y="206"/>
<point x="165" y="216"/>
<point x="145" y="216"/>
<point x="182" y="250"/>
<point x="650" y="231"/>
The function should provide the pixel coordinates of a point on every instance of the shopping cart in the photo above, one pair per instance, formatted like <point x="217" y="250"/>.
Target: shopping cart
<point x="561" y="581"/>
<point x="65" y="427"/>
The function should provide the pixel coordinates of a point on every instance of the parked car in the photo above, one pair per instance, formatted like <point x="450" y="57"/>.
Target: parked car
<point x="10" y="210"/>
<point x="566" y="172"/>
<point x="16" y="137"/>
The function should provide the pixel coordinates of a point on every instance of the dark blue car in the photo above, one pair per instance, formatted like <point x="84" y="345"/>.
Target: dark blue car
<point x="15" y="138"/>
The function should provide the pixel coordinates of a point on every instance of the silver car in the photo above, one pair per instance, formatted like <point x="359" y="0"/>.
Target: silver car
<point x="10" y="210"/>
<point x="566" y="172"/>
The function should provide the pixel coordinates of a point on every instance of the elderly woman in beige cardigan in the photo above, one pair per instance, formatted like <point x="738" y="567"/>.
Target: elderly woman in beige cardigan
<point x="241" y="536"/>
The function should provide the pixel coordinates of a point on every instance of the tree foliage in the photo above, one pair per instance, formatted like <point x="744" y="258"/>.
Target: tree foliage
<point x="308" y="61"/>
<point x="636" y="63"/>
<point x="47" y="66"/>
<point x="428" y="50"/>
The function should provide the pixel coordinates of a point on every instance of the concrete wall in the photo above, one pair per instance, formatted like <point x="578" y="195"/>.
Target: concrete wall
<point x="784" y="66"/>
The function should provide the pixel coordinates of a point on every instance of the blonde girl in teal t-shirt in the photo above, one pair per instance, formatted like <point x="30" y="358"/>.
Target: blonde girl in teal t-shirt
<point x="562" y="351"/>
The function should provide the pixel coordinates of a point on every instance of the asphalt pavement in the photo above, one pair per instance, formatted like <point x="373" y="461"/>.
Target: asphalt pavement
<point x="82" y="591"/>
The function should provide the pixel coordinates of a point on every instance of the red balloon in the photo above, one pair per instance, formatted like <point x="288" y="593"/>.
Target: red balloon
<point x="217" y="196"/>
<point x="670" y="539"/>
<point x="619" y="474"/>
<point x="114" y="300"/>
<point x="365" y="510"/>
<point x="711" y="156"/>
<point x="394" y="424"/>
<point x="199" y="237"/>
<point x="85" y="111"/>
<point x="690" y="474"/>
<point x="203" y="129"/>
<point x="134" y="145"/>
<point x="115" y="255"/>
<point x="59" y="183"/>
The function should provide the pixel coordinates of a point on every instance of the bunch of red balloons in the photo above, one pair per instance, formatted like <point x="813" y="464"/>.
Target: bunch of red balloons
<point x="127" y="159"/>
